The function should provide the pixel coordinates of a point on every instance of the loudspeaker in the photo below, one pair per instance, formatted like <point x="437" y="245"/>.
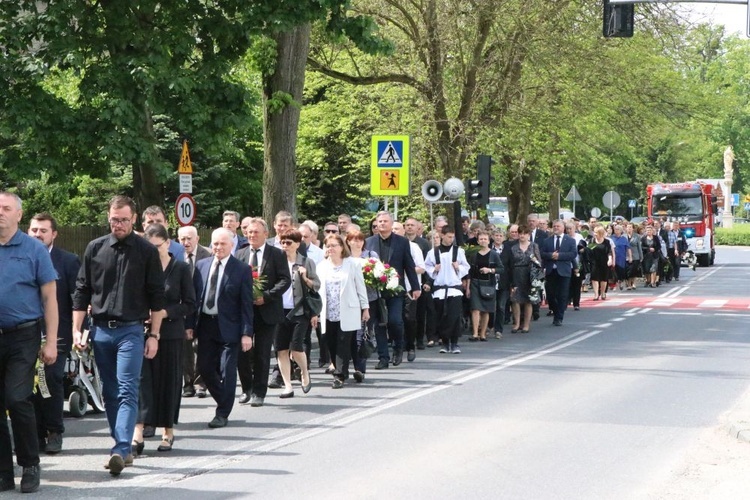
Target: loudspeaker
<point x="432" y="191"/>
<point x="453" y="188"/>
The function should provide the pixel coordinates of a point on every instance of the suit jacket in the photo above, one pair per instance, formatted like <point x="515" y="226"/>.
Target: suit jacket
<point x="353" y="296"/>
<point x="241" y="243"/>
<point x="67" y="265"/>
<point x="277" y="279"/>
<point x="297" y="283"/>
<point x="399" y="258"/>
<point x="235" y="300"/>
<point x="538" y="236"/>
<point x="565" y="256"/>
<point x="201" y="253"/>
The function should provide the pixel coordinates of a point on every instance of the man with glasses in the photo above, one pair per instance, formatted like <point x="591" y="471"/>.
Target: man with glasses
<point x="122" y="280"/>
<point x="330" y="228"/>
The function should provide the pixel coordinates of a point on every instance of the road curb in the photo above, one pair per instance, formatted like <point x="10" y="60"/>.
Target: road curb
<point x="737" y="419"/>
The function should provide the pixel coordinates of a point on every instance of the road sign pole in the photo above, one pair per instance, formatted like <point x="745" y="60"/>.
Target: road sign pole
<point x="385" y="203"/>
<point x="395" y="208"/>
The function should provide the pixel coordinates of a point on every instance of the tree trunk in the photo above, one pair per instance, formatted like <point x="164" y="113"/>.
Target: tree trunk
<point x="519" y="189"/>
<point x="147" y="190"/>
<point x="280" y="124"/>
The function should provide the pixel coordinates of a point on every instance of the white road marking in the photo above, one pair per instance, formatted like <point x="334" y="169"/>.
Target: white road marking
<point x="663" y="302"/>
<point x="713" y="303"/>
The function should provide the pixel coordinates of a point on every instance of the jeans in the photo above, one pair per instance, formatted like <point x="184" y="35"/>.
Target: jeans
<point x="18" y="355"/>
<point x="500" y="305"/>
<point x="119" y="356"/>
<point x="394" y="330"/>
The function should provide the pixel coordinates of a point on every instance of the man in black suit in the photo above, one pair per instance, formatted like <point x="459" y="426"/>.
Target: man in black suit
<point x="194" y="251"/>
<point x="270" y="265"/>
<point x="394" y="250"/>
<point x="49" y="410"/>
<point x="224" y="321"/>
<point x="558" y="253"/>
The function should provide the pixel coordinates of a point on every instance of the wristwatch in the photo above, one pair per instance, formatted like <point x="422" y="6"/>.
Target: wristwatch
<point x="153" y="335"/>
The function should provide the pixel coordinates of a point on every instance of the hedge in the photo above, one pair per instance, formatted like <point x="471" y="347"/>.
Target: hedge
<point x="738" y="235"/>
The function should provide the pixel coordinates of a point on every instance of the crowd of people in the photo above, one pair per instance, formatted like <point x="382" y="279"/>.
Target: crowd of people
<point x="171" y="319"/>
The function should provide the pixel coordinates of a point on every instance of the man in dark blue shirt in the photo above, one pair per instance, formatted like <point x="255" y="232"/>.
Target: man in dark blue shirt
<point x="123" y="281"/>
<point x="27" y="293"/>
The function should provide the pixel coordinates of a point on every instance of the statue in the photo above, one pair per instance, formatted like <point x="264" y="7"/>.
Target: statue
<point x="728" y="161"/>
<point x="727" y="219"/>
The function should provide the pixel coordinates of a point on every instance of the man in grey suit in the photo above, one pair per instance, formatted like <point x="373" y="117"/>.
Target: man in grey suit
<point x="194" y="252"/>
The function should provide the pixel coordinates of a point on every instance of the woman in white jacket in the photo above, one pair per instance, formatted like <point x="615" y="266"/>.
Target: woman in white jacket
<point x="345" y="304"/>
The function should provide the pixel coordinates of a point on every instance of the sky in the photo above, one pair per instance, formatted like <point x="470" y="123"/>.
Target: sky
<point x="733" y="17"/>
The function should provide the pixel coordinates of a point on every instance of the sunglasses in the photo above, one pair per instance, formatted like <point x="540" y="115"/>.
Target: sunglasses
<point x="334" y="231"/>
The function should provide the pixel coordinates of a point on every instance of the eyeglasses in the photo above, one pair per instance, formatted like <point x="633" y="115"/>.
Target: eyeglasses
<point x="334" y="231"/>
<point x="286" y="242"/>
<point x="332" y="245"/>
<point x="119" y="222"/>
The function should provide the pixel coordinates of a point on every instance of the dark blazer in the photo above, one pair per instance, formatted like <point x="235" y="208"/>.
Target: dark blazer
<point x="67" y="265"/>
<point x="241" y="243"/>
<point x="201" y="253"/>
<point x="538" y="236"/>
<point x="179" y="293"/>
<point x="565" y="256"/>
<point x="234" y="302"/>
<point x="277" y="281"/>
<point x="400" y="258"/>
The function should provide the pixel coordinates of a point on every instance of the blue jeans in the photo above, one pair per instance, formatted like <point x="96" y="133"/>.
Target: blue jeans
<point x="394" y="330"/>
<point x="119" y="356"/>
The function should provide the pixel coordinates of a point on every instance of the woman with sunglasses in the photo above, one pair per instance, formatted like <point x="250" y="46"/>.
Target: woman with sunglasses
<point x="345" y="304"/>
<point x="161" y="377"/>
<point x="290" y="335"/>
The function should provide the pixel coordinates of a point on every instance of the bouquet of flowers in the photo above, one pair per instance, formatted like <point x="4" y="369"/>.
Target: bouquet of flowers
<point x="537" y="281"/>
<point x="259" y="284"/>
<point x="381" y="277"/>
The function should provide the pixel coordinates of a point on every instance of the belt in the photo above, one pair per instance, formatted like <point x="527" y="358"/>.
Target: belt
<point x="115" y="323"/>
<point x="210" y="316"/>
<point x="21" y="326"/>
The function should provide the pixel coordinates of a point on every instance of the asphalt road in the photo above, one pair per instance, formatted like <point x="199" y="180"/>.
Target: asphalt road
<point x="603" y="407"/>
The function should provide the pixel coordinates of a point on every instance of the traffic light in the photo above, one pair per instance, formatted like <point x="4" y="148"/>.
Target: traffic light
<point x="478" y="190"/>
<point x="618" y="20"/>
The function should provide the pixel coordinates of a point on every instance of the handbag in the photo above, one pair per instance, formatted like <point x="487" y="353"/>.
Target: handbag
<point x="368" y="347"/>
<point x="486" y="291"/>
<point x="311" y="301"/>
<point x="382" y="312"/>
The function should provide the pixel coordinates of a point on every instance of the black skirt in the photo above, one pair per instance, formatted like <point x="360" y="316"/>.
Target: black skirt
<point x="161" y="385"/>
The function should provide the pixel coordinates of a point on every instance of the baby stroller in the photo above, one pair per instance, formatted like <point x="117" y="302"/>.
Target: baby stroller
<point x="83" y="385"/>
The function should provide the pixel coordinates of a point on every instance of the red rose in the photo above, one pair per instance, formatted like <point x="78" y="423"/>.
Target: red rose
<point x="367" y="269"/>
<point x="383" y="279"/>
<point x="387" y="266"/>
<point x="255" y="275"/>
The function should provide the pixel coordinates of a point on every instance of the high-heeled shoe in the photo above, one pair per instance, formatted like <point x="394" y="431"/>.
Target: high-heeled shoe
<point x="596" y="298"/>
<point x="136" y="447"/>
<point x="166" y="443"/>
<point x="473" y="339"/>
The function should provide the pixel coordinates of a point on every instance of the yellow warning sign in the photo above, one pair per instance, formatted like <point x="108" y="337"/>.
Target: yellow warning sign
<point x="389" y="180"/>
<point x="185" y="167"/>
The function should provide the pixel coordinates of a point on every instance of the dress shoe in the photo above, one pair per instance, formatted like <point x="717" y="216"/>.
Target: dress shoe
<point x="7" y="484"/>
<point x="256" y="401"/>
<point x="550" y="313"/>
<point x="218" y="422"/>
<point x="420" y="346"/>
<point x="576" y="308"/>
<point x="382" y="364"/>
<point x="557" y="322"/>
<point x="54" y="443"/>
<point x="338" y="383"/>
<point x="166" y="444"/>
<point x="115" y="464"/>
<point x="244" y="398"/>
<point x="149" y="431"/>
<point x="398" y="356"/>
<point x="276" y="383"/>
<point x="359" y="377"/>
<point x="306" y="388"/>
<point x="286" y="395"/>
<point x="411" y="355"/>
<point x="188" y="392"/>
<point x="137" y="447"/>
<point x="30" y="479"/>
<point x="200" y="393"/>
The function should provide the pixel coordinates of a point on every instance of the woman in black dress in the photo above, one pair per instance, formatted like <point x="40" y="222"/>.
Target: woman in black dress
<point x="602" y="259"/>
<point x="651" y="251"/>
<point x="484" y="265"/>
<point x="161" y="377"/>
<point x="523" y="254"/>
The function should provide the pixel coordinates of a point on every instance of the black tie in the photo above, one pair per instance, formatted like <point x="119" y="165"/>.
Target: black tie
<point x="191" y="264"/>
<point x="557" y="243"/>
<point x="255" y="259"/>
<point x="211" y="299"/>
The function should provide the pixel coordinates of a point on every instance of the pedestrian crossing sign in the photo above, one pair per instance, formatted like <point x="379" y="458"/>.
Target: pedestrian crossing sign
<point x="389" y="165"/>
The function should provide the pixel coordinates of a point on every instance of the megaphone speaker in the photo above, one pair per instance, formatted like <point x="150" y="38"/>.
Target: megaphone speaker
<point x="432" y="191"/>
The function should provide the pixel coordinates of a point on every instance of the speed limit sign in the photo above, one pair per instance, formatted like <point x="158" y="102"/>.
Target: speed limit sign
<point x="185" y="209"/>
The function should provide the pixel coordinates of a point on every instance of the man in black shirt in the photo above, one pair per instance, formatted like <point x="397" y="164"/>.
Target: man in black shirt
<point x="123" y="281"/>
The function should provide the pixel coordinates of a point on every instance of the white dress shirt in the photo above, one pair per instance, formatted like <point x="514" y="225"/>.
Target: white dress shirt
<point x="215" y="309"/>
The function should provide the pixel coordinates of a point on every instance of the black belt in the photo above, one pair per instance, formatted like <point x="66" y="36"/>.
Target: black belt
<point x="210" y="316"/>
<point x="444" y="287"/>
<point x="22" y="326"/>
<point x="115" y="323"/>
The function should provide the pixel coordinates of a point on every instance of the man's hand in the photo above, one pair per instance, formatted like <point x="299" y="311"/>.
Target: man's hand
<point x="189" y="334"/>
<point x="77" y="336"/>
<point x="415" y="294"/>
<point x="247" y="343"/>
<point x="48" y="353"/>
<point x="455" y="266"/>
<point x="152" y="345"/>
<point x="259" y="301"/>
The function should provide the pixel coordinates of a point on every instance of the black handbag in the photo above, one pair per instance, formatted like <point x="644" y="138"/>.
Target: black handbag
<point x="486" y="291"/>
<point x="311" y="301"/>
<point x="368" y="347"/>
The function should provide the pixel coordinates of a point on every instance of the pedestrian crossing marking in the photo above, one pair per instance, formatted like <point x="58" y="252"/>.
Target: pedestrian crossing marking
<point x="663" y="302"/>
<point x="390" y="156"/>
<point x="712" y="303"/>
<point x="681" y="302"/>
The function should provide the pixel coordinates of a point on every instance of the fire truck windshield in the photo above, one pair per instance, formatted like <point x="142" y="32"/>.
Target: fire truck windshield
<point x="677" y="205"/>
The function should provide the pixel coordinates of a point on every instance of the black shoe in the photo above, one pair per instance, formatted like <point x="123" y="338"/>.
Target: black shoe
<point x="420" y="346"/>
<point x="218" y="422"/>
<point x="550" y="313"/>
<point x="256" y="401"/>
<point x="338" y="383"/>
<point x="149" y="431"/>
<point x="535" y="316"/>
<point x="30" y="479"/>
<point x="54" y="443"/>
<point x="322" y="363"/>
<point x="188" y="392"/>
<point x="398" y="357"/>
<point x="411" y="355"/>
<point x="200" y="393"/>
<point x="359" y="377"/>
<point x="276" y="383"/>
<point x="382" y="364"/>
<point x="244" y="398"/>
<point x="306" y="388"/>
<point x="557" y="322"/>
<point x="7" y="484"/>
<point x="136" y="448"/>
<point x="286" y="395"/>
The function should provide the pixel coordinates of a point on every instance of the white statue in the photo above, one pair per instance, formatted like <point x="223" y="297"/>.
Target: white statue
<point x="728" y="161"/>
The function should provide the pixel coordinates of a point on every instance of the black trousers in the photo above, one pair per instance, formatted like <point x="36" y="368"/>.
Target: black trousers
<point x="18" y="355"/>
<point x="448" y="318"/>
<point x="339" y="345"/>
<point x="676" y="261"/>
<point x="255" y="364"/>
<point x="410" y="323"/>
<point x="575" y="289"/>
<point x="217" y="365"/>
<point x="558" y="291"/>
<point x="49" y="411"/>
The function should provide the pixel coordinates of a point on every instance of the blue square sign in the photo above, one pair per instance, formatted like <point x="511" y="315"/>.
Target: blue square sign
<point x="390" y="154"/>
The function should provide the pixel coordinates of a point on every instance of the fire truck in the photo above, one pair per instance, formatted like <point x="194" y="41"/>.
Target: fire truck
<point x="693" y="205"/>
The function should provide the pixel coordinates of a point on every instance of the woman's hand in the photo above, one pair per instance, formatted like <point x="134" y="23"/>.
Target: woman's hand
<point x="314" y="322"/>
<point x="365" y="315"/>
